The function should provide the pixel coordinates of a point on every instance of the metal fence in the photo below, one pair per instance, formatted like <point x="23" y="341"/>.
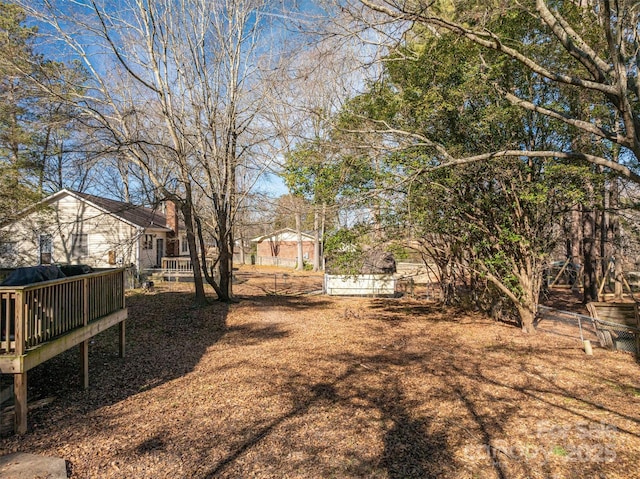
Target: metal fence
<point x="568" y="317"/>
<point x="614" y="335"/>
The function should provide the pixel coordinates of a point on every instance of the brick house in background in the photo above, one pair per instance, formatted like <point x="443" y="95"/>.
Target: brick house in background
<point x="281" y="248"/>
<point x="70" y="227"/>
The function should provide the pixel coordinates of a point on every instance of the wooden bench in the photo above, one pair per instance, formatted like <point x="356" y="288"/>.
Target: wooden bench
<point x="617" y="325"/>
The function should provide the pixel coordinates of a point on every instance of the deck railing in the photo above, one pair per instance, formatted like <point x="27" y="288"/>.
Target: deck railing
<point x="181" y="264"/>
<point x="34" y="314"/>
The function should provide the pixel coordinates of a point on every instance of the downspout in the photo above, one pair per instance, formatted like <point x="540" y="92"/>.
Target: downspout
<point x="137" y="263"/>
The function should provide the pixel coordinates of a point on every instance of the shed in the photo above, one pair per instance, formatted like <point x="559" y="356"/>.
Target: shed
<point x="375" y="277"/>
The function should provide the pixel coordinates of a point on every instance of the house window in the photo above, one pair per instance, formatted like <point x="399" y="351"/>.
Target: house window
<point x="147" y="242"/>
<point x="184" y="245"/>
<point x="80" y="245"/>
<point x="46" y="249"/>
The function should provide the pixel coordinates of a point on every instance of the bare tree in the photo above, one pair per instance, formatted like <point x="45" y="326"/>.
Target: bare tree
<point x="317" y="80"/>
<point x="170" y="85"/>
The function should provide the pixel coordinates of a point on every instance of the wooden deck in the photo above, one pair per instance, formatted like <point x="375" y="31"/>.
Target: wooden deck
<point x="181" y="264"/>
<point x="176" y="269"/>
<point x="41" y="320"/>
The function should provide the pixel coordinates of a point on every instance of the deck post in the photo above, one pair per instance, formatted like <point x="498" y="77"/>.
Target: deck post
<point x="21" y="407"/>
<point x="20" y="379"/>
<point x="20" y="326"/>
<point x="85" y="301"/>
<point x="84" y="360"/>
<point x="84" y="346"/>
<point x="121" y="326"/>
<point x="122" y="330"/>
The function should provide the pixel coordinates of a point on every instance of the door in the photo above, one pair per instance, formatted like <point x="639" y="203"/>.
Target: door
<point x="159" y="251"/>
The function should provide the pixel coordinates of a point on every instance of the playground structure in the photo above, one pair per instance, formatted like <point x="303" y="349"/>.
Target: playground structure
<point x="567" y="274"/>
<point x="616" y="321"/>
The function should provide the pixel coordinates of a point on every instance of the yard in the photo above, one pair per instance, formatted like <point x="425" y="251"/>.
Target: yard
<point x="290" y="385"/>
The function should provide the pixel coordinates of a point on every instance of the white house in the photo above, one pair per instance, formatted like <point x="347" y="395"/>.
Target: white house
<point x="69" y="227"/>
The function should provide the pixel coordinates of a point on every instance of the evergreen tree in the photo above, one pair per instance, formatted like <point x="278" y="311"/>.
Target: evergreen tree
<point x="483" y="223"/>
<point x="34" y="116"/>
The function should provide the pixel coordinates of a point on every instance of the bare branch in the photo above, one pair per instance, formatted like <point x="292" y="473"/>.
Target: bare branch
<point x="580" y="124"/>
<point x="573" y="43"/>
<point x="595" y="160"/>
<point x="491" y="41"/>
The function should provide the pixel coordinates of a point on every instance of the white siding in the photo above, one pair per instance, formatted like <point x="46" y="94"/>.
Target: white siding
<point x="149" y="257"/>
<point x="68" y="217"/>
<point x="284" y="236"/>
<point x="287" y="236"/>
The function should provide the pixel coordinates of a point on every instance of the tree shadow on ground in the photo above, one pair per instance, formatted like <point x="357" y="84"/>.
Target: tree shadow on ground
<point x="411" y="447"/>
<point x="410" y="450"/>
<point x="253" y="333"/>
<point x="314" y="394"/>
<point x="166" y="337"/>
<point x="399" y="309"/>
<point x="554" y="438"/>
<point x="299" y="303"/>
<point x="421" y="398"/>
<point x="414" y="443"/>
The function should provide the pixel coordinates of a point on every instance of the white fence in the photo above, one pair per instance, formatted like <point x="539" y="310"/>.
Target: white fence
<point x="360" y="285"/>
<point x="419" y="272"/>
<point x="275" y="261"/>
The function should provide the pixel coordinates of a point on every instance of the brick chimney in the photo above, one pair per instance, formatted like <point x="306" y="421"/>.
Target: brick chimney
<point x="173" y="243"/>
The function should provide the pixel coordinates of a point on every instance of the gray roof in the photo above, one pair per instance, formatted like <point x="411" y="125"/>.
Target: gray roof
<point x="136" y="215"/>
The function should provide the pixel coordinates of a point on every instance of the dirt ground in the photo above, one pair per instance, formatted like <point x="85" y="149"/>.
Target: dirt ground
<point x="287" y="384"/>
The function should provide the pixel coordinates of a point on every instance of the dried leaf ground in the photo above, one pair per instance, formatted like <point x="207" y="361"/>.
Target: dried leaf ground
<point x="310" y="386"/>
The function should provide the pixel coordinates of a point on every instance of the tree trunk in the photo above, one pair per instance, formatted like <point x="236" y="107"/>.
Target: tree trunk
<point x="530" y="279"/>
<point x="576" y="236"/>
<point x="527" y="318"/>
<point x="323" y="222"/>
<point x="225" y="270"/>
<point x="616" y="239"/>
<point x="600" y="227"/>
<point x="225" y="258"/>
<point x="590" y="287"/>
<point x="193" y="253"/>
<point x="224" y="264"/>
<point x="316" y="239"/>
<point x="300" y="265"/>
